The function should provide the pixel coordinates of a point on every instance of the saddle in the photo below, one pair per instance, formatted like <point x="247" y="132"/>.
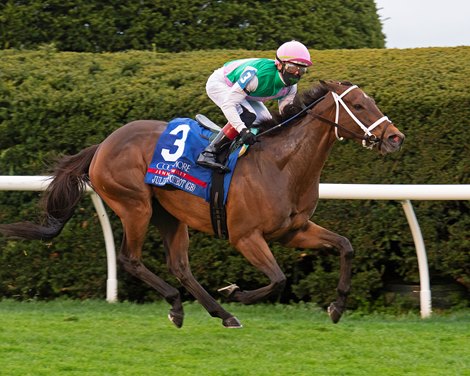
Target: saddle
<point x="174" y="164"/>
<point x="207" y="123"/>
<point x="213" y="127"/>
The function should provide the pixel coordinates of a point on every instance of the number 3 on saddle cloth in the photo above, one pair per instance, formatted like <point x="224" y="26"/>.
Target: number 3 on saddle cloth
<point x="174" y="164"/>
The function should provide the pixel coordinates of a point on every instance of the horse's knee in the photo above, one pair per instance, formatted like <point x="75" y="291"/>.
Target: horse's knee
<point x="179" y="270"/>
<point x="346" y="248"/>
<point x="279" y="283"/>
<point x="123" y="260"/>
<point x="129" y="265"/>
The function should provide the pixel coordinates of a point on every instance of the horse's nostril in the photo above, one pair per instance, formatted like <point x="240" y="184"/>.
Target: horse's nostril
<point x="395" y="139"/>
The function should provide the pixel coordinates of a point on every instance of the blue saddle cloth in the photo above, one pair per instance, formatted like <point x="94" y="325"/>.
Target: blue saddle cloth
<point x="175" y="155"/>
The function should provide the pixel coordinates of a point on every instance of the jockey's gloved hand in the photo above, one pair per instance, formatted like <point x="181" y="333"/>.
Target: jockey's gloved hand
<point x="247" y="137"/>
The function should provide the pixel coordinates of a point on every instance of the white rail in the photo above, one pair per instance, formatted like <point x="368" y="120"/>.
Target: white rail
<point x="422" y="192"/>
<point x="40" y="183"/>
<point x="399" y="192"/>
<point x="403" y="193"/>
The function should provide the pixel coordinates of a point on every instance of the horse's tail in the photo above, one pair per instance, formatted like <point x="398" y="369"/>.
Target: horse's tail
<point x="70" y="177"/>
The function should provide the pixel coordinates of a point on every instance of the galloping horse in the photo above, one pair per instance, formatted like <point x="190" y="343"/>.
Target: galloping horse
<point x="273" y="194"/>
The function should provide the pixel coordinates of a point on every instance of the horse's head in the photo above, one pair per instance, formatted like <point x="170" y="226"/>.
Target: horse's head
<point x="358" y="117"/>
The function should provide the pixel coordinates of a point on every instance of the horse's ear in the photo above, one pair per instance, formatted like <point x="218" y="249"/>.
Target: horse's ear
<point x="328" y="84"/>
<point x="325" y="84"/>
<point x="333" y="85"/>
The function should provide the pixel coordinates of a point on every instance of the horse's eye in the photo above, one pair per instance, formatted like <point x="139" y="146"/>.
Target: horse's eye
<point x="358" y="107"/>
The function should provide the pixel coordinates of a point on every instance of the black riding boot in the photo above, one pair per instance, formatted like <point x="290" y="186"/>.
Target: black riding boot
<point x="208" y="158"/>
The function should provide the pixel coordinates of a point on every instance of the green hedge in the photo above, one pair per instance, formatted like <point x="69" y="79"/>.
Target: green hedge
<point x="58" y="103"/>
<point x="188" y="25"/>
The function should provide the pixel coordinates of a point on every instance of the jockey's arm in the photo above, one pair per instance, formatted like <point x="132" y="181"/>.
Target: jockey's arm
<point x="287" y="99"/>
<point x="234" y="98"/>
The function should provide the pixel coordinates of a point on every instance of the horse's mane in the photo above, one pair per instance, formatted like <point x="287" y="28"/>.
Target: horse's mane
<point x="301" y="100"/>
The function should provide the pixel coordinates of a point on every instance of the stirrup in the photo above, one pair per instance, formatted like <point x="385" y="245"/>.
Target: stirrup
<point x="212" y="164"/>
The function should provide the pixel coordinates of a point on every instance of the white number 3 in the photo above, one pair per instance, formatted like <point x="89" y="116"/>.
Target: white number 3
<point x="179" y="142"/>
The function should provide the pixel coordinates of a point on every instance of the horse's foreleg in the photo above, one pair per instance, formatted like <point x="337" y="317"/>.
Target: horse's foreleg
<point x="134" y="266"/>
<point x="257" y="252"/>
<point x="176" y="243"/>
<point x="314" y="236"/>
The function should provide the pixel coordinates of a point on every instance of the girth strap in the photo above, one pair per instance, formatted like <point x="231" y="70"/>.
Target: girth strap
<point x="218" y="213"/>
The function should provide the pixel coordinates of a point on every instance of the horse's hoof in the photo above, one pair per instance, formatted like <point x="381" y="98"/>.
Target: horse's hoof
<point x="334" y="312"/>
<point x="176" y="318"/>
<point x="232" y="323"/>
<point x="229" y="290"/>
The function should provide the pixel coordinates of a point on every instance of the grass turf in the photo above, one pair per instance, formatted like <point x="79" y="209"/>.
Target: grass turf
<point x="98" y="338"/>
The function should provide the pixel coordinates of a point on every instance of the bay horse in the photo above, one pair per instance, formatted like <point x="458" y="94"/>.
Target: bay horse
<point x="273" y="195"/>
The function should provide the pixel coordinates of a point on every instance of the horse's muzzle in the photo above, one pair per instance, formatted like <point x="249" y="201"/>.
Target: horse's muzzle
<point x="392" y="141"/>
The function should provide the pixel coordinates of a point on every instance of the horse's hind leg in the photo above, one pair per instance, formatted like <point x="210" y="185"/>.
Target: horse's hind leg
<point x="314" y="236"/>
<point x="176" y="242"/>
<point x="135" y="267"/>
<point x="135" y="218"/>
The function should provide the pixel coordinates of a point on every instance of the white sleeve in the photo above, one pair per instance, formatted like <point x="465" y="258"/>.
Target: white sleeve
<point x="288" y="99"/>
<point x="235" y="97"/>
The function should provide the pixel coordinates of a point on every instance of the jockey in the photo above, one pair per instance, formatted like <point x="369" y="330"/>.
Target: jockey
<point x="240" y="87"/>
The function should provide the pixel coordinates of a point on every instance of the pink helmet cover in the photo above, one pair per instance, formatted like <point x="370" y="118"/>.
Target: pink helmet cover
<point x="294" y="52"/>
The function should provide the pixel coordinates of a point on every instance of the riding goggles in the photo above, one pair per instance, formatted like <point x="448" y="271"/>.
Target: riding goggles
<point x="294" y="69"/>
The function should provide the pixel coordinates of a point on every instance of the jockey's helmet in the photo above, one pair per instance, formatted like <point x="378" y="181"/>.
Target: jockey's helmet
<point x="293" y="52"/>
<point x="294" y="59"/>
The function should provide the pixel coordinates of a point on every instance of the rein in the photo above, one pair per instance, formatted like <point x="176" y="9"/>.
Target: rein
<point x="304" y="110"/>
<point x="369" y="140"/>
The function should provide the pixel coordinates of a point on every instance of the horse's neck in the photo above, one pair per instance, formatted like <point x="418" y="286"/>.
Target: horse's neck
<point x="303" y="150"/>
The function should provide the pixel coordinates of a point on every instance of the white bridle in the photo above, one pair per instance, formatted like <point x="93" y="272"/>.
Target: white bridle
<point x="367" y="130"/>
